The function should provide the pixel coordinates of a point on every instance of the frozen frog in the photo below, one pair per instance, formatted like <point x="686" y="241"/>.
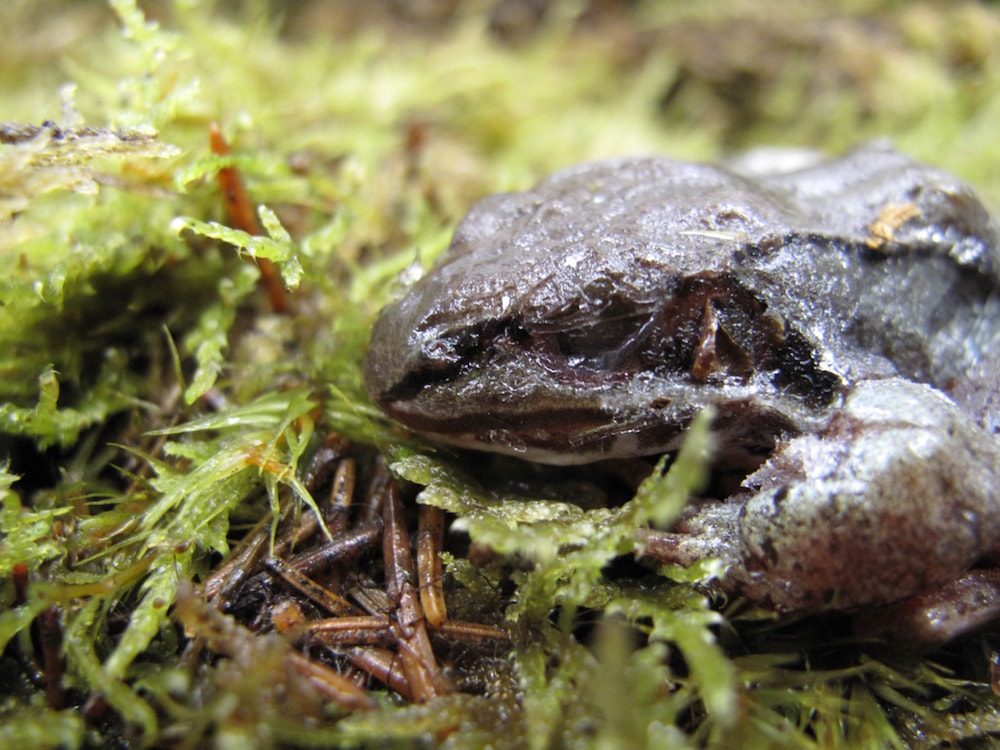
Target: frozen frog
<point x="842" y="320"/>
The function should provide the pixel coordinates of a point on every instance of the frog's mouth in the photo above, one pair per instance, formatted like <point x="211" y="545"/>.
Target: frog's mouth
<point x="540" y="419"/>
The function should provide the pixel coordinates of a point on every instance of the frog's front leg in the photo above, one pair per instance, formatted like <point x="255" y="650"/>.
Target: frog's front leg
<point x="898" y="495"/>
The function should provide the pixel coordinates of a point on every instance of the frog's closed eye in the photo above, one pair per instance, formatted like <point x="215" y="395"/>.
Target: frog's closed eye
<point x="714" y="331"/>
<point x="709" y="330"/>
<point x="706" y="329"/>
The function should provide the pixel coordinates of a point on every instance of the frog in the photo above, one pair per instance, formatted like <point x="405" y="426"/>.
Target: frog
<point x="840" y="317"/>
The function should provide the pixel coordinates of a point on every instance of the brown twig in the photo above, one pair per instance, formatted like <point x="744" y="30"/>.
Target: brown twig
<point x="242" y="216"/>
<point x="430" y="541"/>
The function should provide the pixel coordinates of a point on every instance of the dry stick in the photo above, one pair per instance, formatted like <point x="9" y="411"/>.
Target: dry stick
<point x="341" y="495"/>
<point x="331" y="684"/>
<point x="331" y="601"/>
<point x="324" y="459"/>
<point x="361" y="630"/>
<point x="372" y="599"/>
<point x="414" y="646"/>
<point x="336" y="514"/>
<point x="346" y="546"/>
<point x="369" y="512"/>
<point x="242" y="217"/>
<point x="381" y="664"/>
<point x="430" y="541"/>
<point x="223" y="635"/>
<point x="471" y="631"/>
<point x="231" y="573"/>
<point x="228" y="576"/>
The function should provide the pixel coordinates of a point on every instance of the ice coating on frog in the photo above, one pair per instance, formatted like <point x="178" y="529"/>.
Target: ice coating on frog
<point x="842" y="320"/>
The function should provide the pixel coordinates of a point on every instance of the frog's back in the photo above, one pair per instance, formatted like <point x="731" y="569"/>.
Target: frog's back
<point x="921" y="263"/>
<point x="893" y="203"/>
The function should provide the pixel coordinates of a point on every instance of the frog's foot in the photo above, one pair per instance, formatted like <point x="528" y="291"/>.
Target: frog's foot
<point x="933" y="618"/>
<point x="898" y="495"/>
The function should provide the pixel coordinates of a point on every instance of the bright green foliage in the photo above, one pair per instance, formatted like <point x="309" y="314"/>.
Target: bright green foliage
<point x="249" y="446"/>
<point x="277" y="246"/>
<point x="568" y="549"/>
<point x="265" y="437"/>
<point x="208" y="339"/>
<point x="81" y="637"/>
<point x="43" y="729"/>
<point x="46" y="159"/>
<point x="27" y="536"/>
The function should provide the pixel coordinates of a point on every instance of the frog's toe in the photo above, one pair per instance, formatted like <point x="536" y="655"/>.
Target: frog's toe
<point x="708" y="529"/>
<point x="931" y="619"/>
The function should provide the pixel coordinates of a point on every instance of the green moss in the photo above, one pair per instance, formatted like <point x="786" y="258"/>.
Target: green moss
<point x="152" y="407"/>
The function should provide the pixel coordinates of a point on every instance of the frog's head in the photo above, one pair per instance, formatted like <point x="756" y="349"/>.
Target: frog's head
<point x="593" y="316"/>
